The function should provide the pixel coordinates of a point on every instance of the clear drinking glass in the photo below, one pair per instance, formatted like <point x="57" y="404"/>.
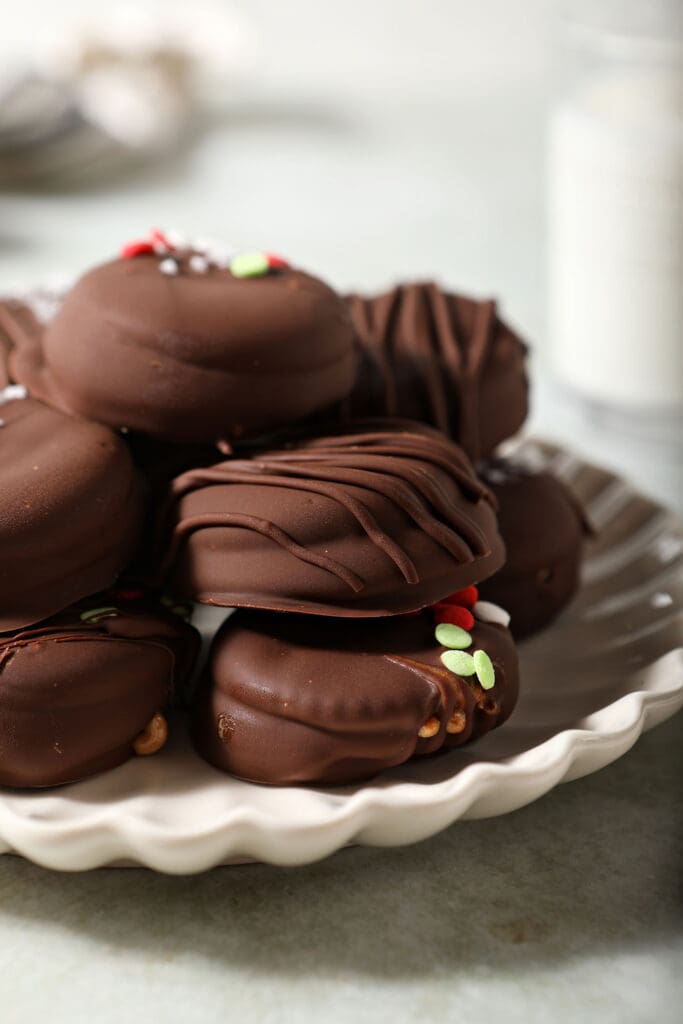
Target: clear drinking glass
<point x="616" y="214"/>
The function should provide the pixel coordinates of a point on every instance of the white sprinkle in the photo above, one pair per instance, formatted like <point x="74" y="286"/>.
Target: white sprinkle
<point x="177" y="239"/>
<point x="168" y="266"/>
<point x="661" y="600"/>
<point x="218" y="253"/>
<point x="199" y="263"/>
<point x="487" y="611"/>
<point x="12" y="392"/>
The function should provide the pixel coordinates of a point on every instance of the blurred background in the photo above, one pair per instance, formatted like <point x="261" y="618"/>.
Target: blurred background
<point x="530" y="151"/>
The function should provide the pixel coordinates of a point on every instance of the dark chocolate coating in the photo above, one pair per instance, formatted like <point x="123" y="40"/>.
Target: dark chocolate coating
<point x="25" y="318"/>
<point x="75" y="694"/>
<point x="292" y="699"/>
<point x="160" y="461"/>
<point x="191" y="356"/>
<point x="70" y="515"/>
<point x="375" y="522"/>
<point x="544" y="530"/>
<point x="442" y="359"/>
<point x="18" y="320"/>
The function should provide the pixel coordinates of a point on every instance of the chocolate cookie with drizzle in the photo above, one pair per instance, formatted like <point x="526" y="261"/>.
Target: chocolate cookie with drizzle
<point x="377" y="521"/>
<point x="440" y="358"/>
<point x="289" y="699"/>
<point x="85" y="690"/>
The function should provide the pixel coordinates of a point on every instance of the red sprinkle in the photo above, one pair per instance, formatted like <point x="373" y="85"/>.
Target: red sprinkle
<point x="160" y="241"/>
<point x="131" y="249"/>
<point x="468" y="596"/>
<point x="127" y="595"/>
<point x="276" y="262"/>
<point x="454" y="614"/>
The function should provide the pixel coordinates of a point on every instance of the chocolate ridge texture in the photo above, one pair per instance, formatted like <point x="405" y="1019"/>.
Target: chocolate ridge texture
<point x="71" y="511"/>
<point x="372" y="522"/>
<point x="78" y="690"/>
<point x="440" y="358"/>
<point x="286" y="700"/>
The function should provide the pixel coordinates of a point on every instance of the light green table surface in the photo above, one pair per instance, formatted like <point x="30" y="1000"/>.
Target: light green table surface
<point x="565" y="911"/>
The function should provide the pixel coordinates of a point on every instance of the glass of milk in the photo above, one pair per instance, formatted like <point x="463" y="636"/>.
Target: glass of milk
<point x="616" y="214"/>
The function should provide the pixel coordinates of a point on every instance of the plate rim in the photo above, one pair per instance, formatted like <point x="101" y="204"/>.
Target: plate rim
<point x="110" y="835"/>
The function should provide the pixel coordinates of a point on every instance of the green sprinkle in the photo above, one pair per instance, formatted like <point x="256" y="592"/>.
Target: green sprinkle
<point x="94" y="614"/>
<point x="459" y="662"/>
<point x="486" y="674"/>
<point x="449" y="635"/>
<point x="250" y="264"/>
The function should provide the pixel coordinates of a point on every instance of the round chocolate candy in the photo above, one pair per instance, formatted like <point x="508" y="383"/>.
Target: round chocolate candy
<point x="440" y="358"/>
<point x="378" y="521"/>
<point x="544" y="530"/>
<point x="288" y="699"/>
<point x="84" y="691"/>
<point x="154" y="344"/>
<point x="71" y="510"/>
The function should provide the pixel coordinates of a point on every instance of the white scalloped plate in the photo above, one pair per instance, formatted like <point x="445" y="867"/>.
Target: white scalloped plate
<point x="611" y="667"/>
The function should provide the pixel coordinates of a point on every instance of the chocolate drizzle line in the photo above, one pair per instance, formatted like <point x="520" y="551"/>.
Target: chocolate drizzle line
<point x="418" y="324"/>
<point x="60" y="633"/>
<point x="379" y="462"/>
<point x="454" y="462"/>
<point x="274" y="533"/>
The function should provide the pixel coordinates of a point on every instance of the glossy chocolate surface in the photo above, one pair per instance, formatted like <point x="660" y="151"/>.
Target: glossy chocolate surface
<point x="77" y="689"/>
<point x="71" y="511"/>
<point x="544" y="530"/>
<point x="295" y="699"/>
<point x="375" y="522"/>
<point x="440" y="358"/>
<point x="189" y="356"/>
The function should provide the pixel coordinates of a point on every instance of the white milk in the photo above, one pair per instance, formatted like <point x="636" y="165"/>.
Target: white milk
<point x="616" y="238"/>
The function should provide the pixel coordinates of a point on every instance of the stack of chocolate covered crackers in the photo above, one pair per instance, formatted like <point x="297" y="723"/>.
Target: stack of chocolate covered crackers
<point x="188" y="425"/>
